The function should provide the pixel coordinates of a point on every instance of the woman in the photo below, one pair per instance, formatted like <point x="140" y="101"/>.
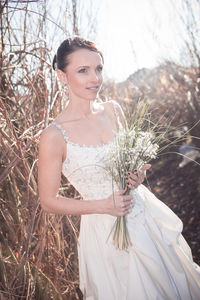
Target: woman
<point x="159" y="265"/>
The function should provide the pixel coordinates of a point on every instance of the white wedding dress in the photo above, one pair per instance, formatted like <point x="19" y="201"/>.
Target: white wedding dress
<point x="159" y="263"/>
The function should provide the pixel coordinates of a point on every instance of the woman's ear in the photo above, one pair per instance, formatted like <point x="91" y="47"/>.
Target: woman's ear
<point x="62" y="76"/>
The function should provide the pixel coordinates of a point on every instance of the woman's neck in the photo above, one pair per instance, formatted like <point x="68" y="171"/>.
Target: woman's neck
<point x="81" y="110"/>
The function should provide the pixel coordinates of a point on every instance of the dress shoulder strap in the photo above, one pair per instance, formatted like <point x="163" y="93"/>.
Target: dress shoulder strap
<point x="61" y="129"/>
<point x="116" y="110"/>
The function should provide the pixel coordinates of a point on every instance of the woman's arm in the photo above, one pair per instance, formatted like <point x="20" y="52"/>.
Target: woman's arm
<point x="51" y="155"/>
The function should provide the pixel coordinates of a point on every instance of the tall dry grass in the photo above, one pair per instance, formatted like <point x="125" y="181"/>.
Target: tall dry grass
<point x="38" y="253"/>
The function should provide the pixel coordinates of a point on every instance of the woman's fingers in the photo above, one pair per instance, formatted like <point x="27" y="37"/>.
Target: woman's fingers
<point x="142" y="173"/>
<point x="124" y="204"/>
<point x="135" y="179"/>
<point x="146" y="167"/>
<point x="121" y="192"/>
<point x="127" y="204"/>
<point x="141" y="176"/>
<point x="119" y="204"/>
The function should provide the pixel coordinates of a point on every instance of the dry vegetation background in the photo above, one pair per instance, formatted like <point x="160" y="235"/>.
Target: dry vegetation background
<point x="38" y="255"/>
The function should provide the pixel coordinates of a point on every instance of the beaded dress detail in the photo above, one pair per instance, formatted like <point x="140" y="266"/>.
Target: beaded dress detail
<point x="159" y="263"/>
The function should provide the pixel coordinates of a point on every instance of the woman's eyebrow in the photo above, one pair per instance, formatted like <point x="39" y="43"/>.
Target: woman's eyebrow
<point x="82" y="67"/>
<point x="89" y="66"/>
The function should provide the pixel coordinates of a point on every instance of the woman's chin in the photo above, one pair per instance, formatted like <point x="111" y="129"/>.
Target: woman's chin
<point x="92" y="98"/>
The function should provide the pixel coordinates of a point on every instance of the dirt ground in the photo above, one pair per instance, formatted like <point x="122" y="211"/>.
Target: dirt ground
<point x="179" y="188"/>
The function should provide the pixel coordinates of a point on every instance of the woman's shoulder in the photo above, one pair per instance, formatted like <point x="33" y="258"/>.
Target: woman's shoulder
<point x="51" y="136"/>
<point x="115" y="107"/>
<point x="111" y="105"/>
<point x="51" y="146"/>
<point x="116" y="110"/>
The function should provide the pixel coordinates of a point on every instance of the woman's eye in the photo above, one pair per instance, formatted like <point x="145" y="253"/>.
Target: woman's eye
<point x="82" y="70"/>
<point x="99" y="69"/>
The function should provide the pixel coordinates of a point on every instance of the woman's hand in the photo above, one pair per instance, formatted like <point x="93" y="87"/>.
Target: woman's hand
<point x="119" y="204"/>
<point x="133" y="180"/>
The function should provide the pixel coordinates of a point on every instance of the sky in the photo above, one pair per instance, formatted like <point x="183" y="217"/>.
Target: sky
<point x="132" y="34"/>
<point x="135" y="34"/>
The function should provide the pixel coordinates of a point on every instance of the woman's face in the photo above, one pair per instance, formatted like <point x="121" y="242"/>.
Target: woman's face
<point x="83" y="74"/>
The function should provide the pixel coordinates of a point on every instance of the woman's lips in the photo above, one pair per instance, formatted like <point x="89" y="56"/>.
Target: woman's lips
<point x="94" y="88"/>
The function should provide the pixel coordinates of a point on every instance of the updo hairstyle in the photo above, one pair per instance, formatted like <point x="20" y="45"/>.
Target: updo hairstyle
<point x="69" y="46"/>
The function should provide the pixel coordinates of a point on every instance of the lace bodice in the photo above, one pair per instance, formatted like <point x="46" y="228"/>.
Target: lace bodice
<point x="84" y="166"/>
<point x="85" y="170"/>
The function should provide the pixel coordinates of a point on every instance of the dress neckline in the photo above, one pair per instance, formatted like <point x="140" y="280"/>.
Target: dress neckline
<point x="90" y="146"/>
<point x="93" y="146"/>
<point x="83" y="145"/>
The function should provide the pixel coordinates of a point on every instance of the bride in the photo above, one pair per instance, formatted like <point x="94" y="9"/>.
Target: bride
<point x="159" y="263"/>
